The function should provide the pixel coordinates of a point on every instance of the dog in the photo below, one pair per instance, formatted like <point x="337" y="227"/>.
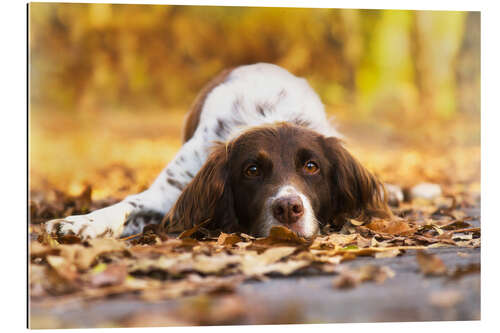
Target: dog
<point x="258" y="152"/>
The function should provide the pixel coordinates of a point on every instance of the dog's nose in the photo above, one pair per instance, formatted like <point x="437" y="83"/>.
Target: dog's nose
<point x="288" y="210"/>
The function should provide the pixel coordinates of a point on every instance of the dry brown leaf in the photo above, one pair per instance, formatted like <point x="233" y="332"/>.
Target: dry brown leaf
<point x="346" y="280"/>
<point x="243" y="245"/>
<point x="153" y="319"/>
<point x="319" y="257"/>
<point x="374" y="273"/>
<point x="188" y="233"/>
<point x="369" y="251"/>
<point x="174" y="264"/>
<point x="258" y="264"/>
<point x="37" y="249"/>
<point x="460" y="271"/>
<point x="471" y="243"/>
<point x="61" y="277"/>
<point x="430" y="264"/>
<point x="204" y="310"/>
<point x="356" y="222"/>
<point x="228" y="239"/>
<point x="274" y="254"/>
<point x="431" y="240"/>
<point x="392" y="227"/>
<point x="455" y="225"/>
<point x="363" y="242"/>
<point x="191" y="285"/>
<point x="215" y="263"/>
<point x="388" y="254"/>
<point x="64" y="268"/>
<point x="446" y="298"/>
<point x="350" y="278"/>
<point x="285" y="268"/>
<point x="111" y="275"/>
<point x="281" y="235"/>
<point x="83" y="257"/>
<point x="333" y="240"/>
<point x="166" y="247"/>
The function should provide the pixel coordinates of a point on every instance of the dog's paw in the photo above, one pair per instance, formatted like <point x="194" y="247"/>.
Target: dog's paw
<point x="83" y="226"/>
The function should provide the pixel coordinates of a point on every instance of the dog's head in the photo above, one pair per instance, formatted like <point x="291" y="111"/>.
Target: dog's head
<point x="279" y="174"/>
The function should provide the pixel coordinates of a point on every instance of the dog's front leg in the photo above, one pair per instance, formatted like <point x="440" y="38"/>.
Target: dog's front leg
<point x="123" y="218"/>
<point x="134" y="212"/>
<point x="108" y="221"/>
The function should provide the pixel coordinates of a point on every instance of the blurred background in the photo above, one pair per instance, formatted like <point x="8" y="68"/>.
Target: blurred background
<point x="109" y="85"/>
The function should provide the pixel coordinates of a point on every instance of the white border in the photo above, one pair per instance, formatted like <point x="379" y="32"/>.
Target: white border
<point x="13" y="139"/>
<point x="363" y="4"/>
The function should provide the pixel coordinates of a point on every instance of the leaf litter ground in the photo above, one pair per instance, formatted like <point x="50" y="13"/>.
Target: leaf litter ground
<point x="153" y="268"/>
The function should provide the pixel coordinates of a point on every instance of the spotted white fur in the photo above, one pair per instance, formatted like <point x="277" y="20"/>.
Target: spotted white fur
<point x="250" y="96"/>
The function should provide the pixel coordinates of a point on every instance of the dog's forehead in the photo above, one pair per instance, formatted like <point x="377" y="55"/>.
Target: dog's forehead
<point x="279" y="137"/>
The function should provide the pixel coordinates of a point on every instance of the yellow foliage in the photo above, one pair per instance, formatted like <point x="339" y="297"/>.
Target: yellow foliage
<point x="107" y="56"/>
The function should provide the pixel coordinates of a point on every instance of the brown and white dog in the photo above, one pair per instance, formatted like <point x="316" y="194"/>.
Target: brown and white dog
<point x="258" y="152"/>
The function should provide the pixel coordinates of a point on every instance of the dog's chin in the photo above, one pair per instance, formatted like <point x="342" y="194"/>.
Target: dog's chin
<point x="303" y="228"/>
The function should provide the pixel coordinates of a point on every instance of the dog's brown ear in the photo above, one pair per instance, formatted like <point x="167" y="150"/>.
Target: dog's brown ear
<point x="356" y="192"/>
<point x="206" y="199"/>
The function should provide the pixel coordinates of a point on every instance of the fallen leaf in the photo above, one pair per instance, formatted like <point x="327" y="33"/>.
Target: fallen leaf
<point x="215" y="263"/>
<point x="153" y="319"/>
<point x="191" y="285"/>
<point x="346" y="280"/>
<point x="374" y="273"/>
<point x="388" y="254"/>
<point x="455" y="225"/>
<point x="430" y="264"/>
<point x="258" y="264"/>
<point x="61" y="276"/>
<point x="83" y="257"/>
<point x="281" y="235"/>
<point x="37" y="249"/>
<point x="445" y="298"/>
<point x="204" y="310"/>
<point x="64" y="268"/>
<point x="228" y="239"/>
<point x="188" y="233"/>
<point x="393" y="227"/>
<point x="111" y="275"/>
<point x="333" y="240"/>
<point x="356" y="222"/>
<point x="350" y="278"/>
<point x="461" y="271"/>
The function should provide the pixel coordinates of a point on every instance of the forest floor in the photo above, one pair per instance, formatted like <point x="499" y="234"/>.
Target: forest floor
<point x="422" y="265"/>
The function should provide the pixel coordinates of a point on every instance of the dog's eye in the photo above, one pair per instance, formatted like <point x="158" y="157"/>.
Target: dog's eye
<point x="311" y="168"/>
<point x="252" y="171"/>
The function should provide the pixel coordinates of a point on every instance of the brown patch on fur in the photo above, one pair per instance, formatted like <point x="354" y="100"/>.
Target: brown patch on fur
<point x="107" y="232"/>
<point x="193" y="117"/>
<point x="175" y="183"/>
<point x="358" y="193"/>
<point x="220" y="128"/>
<point x="82" y="229"/>
<point x="205" y="196"/>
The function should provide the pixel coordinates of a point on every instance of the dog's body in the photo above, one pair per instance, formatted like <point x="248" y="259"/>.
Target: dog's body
<point x="247" y="117"/>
